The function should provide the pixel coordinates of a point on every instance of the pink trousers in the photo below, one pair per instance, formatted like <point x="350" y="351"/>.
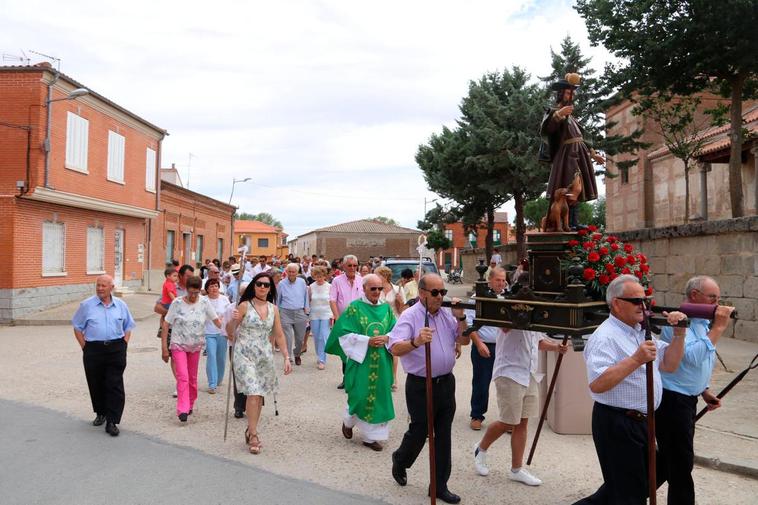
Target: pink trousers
<point x="185" y="364"/>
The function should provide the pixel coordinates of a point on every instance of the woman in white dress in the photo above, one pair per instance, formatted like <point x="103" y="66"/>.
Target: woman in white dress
<point x="257" y="320"/>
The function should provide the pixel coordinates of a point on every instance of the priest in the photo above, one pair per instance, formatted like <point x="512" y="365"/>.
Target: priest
<point x="359" y="338"/>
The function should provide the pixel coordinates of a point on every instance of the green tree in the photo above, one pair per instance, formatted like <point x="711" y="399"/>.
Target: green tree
<point x="534" y="211"/>
<point x="591" y="99"/>
<point x="436" y="239"/>
<point x="682" y="47"/>
<point x="598" y="212"/>
<point x="263" y="217"/>
<point x="383" y="219"/>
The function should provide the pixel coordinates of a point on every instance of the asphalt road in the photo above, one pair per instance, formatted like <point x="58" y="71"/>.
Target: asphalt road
<point x="50" y="458"/>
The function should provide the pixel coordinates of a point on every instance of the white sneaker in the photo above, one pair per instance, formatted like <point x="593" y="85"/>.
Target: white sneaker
<point x="480" y="461"/>
<point x="523" y="476"/>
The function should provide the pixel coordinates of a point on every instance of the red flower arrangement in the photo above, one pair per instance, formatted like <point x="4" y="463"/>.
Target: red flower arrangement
<point x="605" y="257"/>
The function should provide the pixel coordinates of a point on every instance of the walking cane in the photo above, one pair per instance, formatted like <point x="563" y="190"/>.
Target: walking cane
<point x="547" y="402"/>
<point x="753" y="364"/>
<point x="229" y="387"/>
<point x="430" y="414"/>
<point x="651" y="479"/>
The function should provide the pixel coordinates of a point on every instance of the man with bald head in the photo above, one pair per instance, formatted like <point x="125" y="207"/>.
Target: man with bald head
<point x="407" y="340"/>
<point x="359" y="338"/>
<point x="102" y="327"/>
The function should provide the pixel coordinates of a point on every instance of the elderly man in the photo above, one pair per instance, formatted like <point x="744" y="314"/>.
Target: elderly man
<point x="407" y="340"/>
<point x="344" y="290"/>
<point x="359" y="338"/>
<point x="214" y="273"/>
<point x="102" y="327"/>
<point x="616" y="354"/>
<point x="483" y="354"/>
<point x="675" y="419"/>
<point x="294" y="306"/>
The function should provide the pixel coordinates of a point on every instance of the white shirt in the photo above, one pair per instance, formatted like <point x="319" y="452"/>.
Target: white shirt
<point x="516" y="355"/>
<point x="496" y="258"/>
<point x="390" y="298"/>
<point x="258" y="269"/>
<point x="611" y="342"/>
<point x="320" y="308"/>
<point x="219" y="305"/>
<point x="487" y="334"/>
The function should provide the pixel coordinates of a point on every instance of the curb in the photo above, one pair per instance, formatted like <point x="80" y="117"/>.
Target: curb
<point x="726" y="466"/>
<point x="56" y="322"/>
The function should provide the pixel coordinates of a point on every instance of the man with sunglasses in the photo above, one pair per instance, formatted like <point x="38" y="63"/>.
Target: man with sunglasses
<point x="407" y="340"/>
<point x="616" y="354"/>
<point x="675" y="419"/>
<point x="344" y="290"/>
<point x="359" y="338"/>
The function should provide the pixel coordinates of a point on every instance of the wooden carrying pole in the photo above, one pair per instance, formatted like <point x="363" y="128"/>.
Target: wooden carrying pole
<point x="651" y="479"/>
<point x="430" y="416"/>
<point x="547" y="402"/>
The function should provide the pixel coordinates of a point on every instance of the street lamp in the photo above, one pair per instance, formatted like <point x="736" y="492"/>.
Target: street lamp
<point x="234" y="182"/>
<point x="72" y="95"/>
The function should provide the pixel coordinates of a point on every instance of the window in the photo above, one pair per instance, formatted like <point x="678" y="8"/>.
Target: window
<point x="624" y="175"/>
<point x="95" y="250"/>
<point x="449" y="234"/>
<point x="262" y="242"/>
<point x="472" y="238"/>
<point x="220" y="248"/>
<point x="116" y="157"/>
<point x="77" y="133"/>
<point x="53" y="248"/>
<point x="496" y="237"/>
<point x="199" y="249"/>
<point x="170" y="241"/>
<point x="150" y="170"/>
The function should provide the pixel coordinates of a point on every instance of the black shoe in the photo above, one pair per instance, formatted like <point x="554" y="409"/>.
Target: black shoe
<point x="341" y="385"/>
<point x="111" y="429"/>
<point x="298" y="361"/>
<point x="447" y="496"/>
<point x="398" y="472"/>
<point x="238" y="414"/>
<point x="99" y="420"/>
<point x="183" y="417"/>
<point x="190" y="412"/>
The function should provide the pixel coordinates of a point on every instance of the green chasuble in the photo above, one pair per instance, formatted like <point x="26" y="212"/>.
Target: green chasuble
<point x="369" y="384"/>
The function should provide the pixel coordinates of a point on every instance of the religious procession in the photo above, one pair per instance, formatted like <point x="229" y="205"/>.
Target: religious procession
<point x="262" y="313"/>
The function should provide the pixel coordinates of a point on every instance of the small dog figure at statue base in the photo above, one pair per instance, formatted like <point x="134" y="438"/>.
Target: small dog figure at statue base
<point x="557" y="215"/>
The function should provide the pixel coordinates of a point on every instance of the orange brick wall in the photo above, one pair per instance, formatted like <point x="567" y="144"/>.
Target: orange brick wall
<point x="26" y="254"/>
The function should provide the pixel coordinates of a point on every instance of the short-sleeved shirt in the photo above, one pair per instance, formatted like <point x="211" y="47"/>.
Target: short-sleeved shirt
<point x="187" y="322"/>
<point x="100" y="322"/>
<point x="169" y="287"/>
<point x="694" y="372"/>
<point x="612" y="342"/>
<point x="445" y="327"/>
<point x="516" y="356"/>
<point x="343" y="294"/>
<point x="219" y="304"/>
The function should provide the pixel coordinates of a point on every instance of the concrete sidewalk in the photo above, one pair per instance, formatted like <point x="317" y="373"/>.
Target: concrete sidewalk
<point x="140" y="304"/>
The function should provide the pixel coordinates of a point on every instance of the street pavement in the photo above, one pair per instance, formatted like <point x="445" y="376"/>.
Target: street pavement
<point x="50" y="458"/>
<point x="41" y="366"/>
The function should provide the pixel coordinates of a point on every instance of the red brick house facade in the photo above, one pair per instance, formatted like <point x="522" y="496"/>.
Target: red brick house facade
<point x="455" y="232"/>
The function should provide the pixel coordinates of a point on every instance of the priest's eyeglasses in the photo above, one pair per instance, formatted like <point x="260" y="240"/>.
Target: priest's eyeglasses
<point x="435" y="292"/>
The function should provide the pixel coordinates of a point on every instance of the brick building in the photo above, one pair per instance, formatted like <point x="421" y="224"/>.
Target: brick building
<point x="260" y="238"/>
<point x="76" y="204"/>
<point x="462" y="239"/>
<point x="651" y="194"/>
<point x="363" y="238"/>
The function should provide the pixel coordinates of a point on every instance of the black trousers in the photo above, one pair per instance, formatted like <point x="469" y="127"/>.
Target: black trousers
<point x="104" y="365"/>
<point x="480" y="381"/>
<point x="443" y="396"/>
<point x="674" y="431"/>
<point x="621" y="446"/>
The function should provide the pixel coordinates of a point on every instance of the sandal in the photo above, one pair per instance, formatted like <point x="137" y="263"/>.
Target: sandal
<point x="253" y="442"/>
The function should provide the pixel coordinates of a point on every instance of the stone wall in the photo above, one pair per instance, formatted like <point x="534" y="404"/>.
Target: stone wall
<point x="727" y="250"/>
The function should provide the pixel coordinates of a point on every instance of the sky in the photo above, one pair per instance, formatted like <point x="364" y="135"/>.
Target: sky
<point x="323" y="104"/>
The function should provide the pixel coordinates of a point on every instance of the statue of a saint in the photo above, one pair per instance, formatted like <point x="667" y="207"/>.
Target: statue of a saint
<point x="570" y="157"/>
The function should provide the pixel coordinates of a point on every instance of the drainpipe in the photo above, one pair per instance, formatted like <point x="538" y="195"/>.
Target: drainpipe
<point x="46" y="145"/>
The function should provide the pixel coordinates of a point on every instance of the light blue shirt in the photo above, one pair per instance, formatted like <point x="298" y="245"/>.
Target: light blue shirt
<point x="487" y="334"/>
<point x="612" y="342"/>
<point x="694" y="372"/>
<point x="99" y="322"/>
<point x="292" y="295"/>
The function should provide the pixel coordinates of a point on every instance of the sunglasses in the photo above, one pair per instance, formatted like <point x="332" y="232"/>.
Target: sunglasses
<point x="436" y="292"/>
<point x="374" y="288"/>
<point x="260" y="284"/>
<point x="634" y="301"/>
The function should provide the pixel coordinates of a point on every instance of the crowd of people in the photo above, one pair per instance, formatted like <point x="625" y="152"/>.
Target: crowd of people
<point x="254" y="309"/>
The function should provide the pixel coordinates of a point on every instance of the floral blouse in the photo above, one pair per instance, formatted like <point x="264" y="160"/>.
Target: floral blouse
<point x="187" y="322"/>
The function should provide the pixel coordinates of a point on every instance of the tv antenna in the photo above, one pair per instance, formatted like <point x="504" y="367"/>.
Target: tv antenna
<point x="55" y="61"/>
<point x="23" y="59"/>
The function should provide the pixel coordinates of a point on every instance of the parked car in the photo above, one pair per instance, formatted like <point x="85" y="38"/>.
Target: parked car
<point x="397" y="265"/>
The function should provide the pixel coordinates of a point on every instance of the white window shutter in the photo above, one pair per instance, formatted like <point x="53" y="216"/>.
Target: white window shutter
<point x="77" y="136"/>
<point x="150" y="170"/>
<point x="53" y="247"/>
<point x="116" y="156"/>
<point x="95" y="249"/>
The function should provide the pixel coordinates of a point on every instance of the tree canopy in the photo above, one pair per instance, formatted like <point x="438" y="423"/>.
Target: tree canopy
<point x="383" y="219"/>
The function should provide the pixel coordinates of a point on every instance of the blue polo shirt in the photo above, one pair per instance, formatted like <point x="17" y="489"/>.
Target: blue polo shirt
<point x="99" y="322"/>
<point x="694" y="372"/>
